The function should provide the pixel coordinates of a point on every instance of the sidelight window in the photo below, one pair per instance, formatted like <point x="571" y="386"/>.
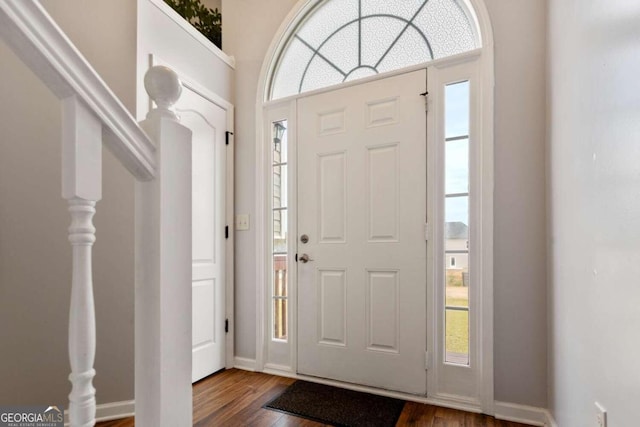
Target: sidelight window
<point x="457" y="222"/>
<point x="279" y="210"/>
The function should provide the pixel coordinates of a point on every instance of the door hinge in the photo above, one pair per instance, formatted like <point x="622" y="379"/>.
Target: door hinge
<point x="226" y="326"/>
<point x="426" y="100"/>
<point x="427" y="231"/>
<point x="226" y="137"/>
<point x="226" y="231"/>
<point x="427" y="360"/>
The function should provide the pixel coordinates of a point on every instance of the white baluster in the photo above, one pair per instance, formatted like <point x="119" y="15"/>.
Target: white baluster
<point x="81" y="187"/>
<point x="163" y="266"/>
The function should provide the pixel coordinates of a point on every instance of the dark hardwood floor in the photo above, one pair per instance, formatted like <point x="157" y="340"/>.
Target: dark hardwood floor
<point x="235" y="398"/>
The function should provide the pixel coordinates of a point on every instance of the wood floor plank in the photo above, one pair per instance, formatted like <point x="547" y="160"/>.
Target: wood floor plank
<point x="236" y="398"/>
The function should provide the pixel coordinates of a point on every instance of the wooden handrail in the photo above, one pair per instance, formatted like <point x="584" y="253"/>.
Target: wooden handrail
<point x="42" y="45"/>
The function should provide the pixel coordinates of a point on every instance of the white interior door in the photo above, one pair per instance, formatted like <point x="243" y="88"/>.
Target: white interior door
<point x="208" y="124"/>
<point x="362" y="203"/>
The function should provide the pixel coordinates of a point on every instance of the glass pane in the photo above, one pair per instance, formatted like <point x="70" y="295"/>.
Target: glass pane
<point x="377" y="36"/>
<point x="410" y="49"/>
<point x="280" y="139"/>
<point x="456" y="109"/>
<point x="280" y="276"/>
<point x="327" y="18"/>
<point x="447" y="28"/>
<point x="280" y="231"/>
<point x="280" y="187"/>
<point x="404" y="9"/>
<point x="456" y="166"/>
<point x="456" y="228"/>
<point x="290" y="69"/>
<point x="280" y="319"/>
<point x="457" y="280"/>
<point x="321" y="74"/>
<point x="457" y="337"/>
<point x="342" y="48"/>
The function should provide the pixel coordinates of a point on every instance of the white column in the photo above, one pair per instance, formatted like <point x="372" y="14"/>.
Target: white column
<point x="163" y="266"/>
<point x="82" y="188"/>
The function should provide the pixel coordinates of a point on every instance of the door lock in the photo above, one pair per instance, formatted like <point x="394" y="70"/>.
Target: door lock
<point x="304" y="238"/>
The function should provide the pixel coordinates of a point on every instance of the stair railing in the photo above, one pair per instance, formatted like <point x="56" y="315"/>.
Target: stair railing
<point x="157" y="152"/>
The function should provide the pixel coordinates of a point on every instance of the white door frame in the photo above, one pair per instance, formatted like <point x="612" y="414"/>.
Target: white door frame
<point x="229" y="197"/>
<point x="485" y="56"/>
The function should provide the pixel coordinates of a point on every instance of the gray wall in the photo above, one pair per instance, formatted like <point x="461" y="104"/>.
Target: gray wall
<point x="594" y="210"/>
<point x="520" y="258"/>
<point x="519" y="207"/>
<point x="35" y="255"/>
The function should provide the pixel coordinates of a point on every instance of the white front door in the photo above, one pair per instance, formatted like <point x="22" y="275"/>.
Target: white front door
<point x="362" y="203"/>
<point x="207" y="121"/>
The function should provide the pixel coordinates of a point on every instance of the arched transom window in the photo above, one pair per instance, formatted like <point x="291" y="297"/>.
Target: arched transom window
<point x="343" y="40"/>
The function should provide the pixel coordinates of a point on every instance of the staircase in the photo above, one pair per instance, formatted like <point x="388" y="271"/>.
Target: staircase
<point x="157" y="152"/>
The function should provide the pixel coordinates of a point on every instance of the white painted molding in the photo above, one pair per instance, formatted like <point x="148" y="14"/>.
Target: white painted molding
<point x="244" y="364"/>
<point x="82" y="188"/>
<point x="163" y="301"/>
<point x="551" y="421"/>
<point x="45" y="49"/>
<point x="190" y="29"/>
<point x="110" y="411"/>
<point x="523" y="414"/>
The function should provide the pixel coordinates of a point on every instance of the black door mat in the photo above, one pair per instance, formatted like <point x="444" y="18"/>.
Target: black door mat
<point x="337" y="406"/>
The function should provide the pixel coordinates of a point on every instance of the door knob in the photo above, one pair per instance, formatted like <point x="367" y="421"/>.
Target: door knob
<point x="305" y="258"/>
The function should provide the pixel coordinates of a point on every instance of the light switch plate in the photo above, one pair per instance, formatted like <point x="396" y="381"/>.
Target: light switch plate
<point x="601" y="415"/>
<point x="242" y="222"/>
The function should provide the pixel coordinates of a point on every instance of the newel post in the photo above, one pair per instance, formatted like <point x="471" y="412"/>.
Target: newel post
<point x="82" y="188"/>
<point x="163" y="266"/>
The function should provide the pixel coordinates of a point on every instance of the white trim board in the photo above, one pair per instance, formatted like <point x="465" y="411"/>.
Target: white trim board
<point x="244" y="364"/>
<point x="109" y="411"/>
<point x="197" y="35"/>
<point x="524" y="414"/>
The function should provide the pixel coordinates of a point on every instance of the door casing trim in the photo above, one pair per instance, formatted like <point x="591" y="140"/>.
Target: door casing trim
<point x="485" y="55"/>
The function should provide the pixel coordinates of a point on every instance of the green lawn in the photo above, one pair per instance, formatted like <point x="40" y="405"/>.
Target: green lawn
<point x="457" y="331"/>
<point x="457" y="326"/>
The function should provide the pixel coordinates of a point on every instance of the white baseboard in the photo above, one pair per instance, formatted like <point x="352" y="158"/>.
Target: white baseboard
<point x="244" y="364"/>
<point x="523" y="414"/>
<point x="110" y="411"/>
<point x="551" y="422"/>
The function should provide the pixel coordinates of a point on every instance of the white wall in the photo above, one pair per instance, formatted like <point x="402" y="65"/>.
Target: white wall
<point x="594" y="210"/>
<point x="520" y="264"/>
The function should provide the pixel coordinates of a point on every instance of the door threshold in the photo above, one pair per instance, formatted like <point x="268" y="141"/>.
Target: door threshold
<point x="450" y="401"/>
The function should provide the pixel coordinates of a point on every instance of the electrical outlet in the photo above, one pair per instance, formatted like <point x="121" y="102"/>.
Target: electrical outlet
<point x="601" y="415"/>
<point x="242" y="222"/>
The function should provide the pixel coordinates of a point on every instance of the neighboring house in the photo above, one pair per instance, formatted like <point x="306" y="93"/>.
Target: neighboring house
<point x="457" y="241"/>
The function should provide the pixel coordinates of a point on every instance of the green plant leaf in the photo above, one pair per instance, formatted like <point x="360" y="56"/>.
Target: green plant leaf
<point x="207" y="21"/>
